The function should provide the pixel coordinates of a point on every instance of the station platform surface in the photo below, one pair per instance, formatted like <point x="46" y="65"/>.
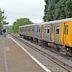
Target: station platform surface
<point x="14" y="59"/>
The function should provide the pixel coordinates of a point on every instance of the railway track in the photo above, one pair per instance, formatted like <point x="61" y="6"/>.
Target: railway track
<point x="65" y="66"/>
<point x="54" y="50"/>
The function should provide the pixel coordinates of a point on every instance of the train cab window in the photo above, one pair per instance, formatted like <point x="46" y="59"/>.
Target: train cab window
<point x="57" y="31"/>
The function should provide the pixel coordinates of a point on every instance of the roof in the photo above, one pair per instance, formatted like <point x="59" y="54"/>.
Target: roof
<point x="50" y="22"/>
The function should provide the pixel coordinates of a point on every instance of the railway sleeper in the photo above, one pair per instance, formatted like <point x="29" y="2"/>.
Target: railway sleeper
<point x="35" y="40"/>
<point x="65" y="50"/>
<point x="40" y="42"/>
<point x="62" y="49"/>
<point x="69" y="51"/>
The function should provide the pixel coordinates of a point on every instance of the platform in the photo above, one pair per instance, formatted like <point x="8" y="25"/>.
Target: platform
<point x="14" y="59"/>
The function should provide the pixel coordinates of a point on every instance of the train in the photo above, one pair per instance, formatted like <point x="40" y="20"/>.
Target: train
<point x="56" y="33"/>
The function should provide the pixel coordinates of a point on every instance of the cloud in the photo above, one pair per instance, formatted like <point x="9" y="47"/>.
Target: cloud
<point x="34" y="9"/>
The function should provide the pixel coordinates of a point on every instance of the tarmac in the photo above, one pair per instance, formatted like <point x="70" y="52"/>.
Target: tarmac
<point x="14" y="59"/>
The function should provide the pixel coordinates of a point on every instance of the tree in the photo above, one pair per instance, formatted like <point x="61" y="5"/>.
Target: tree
<point x="60" y="12"/>
<point x="57" y="9"/>
<point x="19" y="22"/>
<point x="49" y="10"/>
<point x="68" y="9"/>
<point x="2" y="17"/>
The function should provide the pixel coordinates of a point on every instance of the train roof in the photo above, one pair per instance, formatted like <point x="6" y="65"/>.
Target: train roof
<point x="50" y="22"/>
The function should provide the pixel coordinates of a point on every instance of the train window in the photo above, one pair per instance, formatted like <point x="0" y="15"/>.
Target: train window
<point x="32" y="29"/>
<point x="39" y="30"/>
<point x="48" y="30"/>
<point x="57" y="31"/>
<point x="66" y="29"/>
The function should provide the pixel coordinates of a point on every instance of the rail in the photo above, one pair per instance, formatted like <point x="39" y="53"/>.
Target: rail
<point x="53" y="59"/>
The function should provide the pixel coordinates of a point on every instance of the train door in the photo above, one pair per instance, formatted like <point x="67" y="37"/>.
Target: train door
<point x="47" y="32"/>
<point x="65" y="33"/>
<point x="42" y="32"/>
<point x="52" y="32"/>
<point x="57" y="33"/>
<point x="38" y="32"/>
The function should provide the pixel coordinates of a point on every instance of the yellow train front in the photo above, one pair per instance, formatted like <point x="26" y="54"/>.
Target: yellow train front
<point x="57" y="33"/>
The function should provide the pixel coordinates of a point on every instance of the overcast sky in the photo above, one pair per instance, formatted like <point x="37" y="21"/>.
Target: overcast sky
<point x="33" y="9"/>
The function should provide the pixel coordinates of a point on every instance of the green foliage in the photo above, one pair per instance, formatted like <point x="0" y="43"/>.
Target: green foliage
<point x="9" y="29"/>
<point x="49" y="10"/>
<point x="57" y="9"/>
<point x="19" y="22"/>
<point x="68" y="8"/>
<point x="60" y="10"/>
<point x="2" y="17"/>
